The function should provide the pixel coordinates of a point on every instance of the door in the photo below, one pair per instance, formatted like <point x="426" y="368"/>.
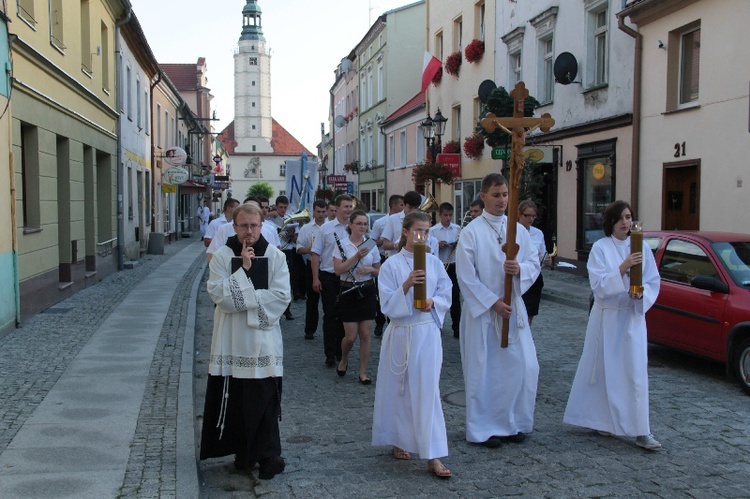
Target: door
<point x="681" y="197"/>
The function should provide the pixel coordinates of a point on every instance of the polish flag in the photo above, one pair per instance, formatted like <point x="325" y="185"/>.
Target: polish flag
<point x="429" y="69"/>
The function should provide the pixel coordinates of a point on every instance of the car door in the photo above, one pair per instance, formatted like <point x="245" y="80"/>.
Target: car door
<point x="683" y="316"/>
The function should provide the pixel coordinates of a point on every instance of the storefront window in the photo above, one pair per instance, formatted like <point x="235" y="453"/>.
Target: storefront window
<point x="464" y="193"/>
<point x="596" y="191"/>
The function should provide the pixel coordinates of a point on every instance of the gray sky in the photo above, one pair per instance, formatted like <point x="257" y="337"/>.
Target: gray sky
<point x="307" y="39"/>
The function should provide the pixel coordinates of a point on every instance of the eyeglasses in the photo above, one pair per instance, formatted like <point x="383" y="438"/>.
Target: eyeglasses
<point x="360" y="224"/>
<point x="529" y="215"/>
<point x="248" y="226"/>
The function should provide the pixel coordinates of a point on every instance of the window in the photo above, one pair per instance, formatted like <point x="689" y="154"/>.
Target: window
<point x="392" y="150"/>
<point x="479" y="14"/>
<point x="370" y="156"/>
<point x="381" y="83"/>
<point x="463" y="194"/>
<point x="158" y="125"/>
<point x="26" y="12"/>
<point x="282" y="170"/>
<point x="380" y="41"/>
<point x="128" y="94"/>
<point x="105" y="57"/>
<point x="546" y="75"/>
<point x="402" y="144"/>
<point x="381" y="147"/>
<point x="514" y="66"/>
<point x="138" y="103"/>
<point x="166" y="129"/>
<point x="439" y="45"/>
<point x="596" y="187"/>
<point x="458" y="34"/>
<point x="684" y="260"/>
<point x="56" y="24"/>
<point x="597" y="60"/>
<point x="420" y="144"/>
<point x="369" y="88"/>
<point x="85" y="36"/>
<point x="252" y="83"/>
<point x="364" y="91"/>
<point x="456" y="118"/>
<point x="146" y="112"/>
<point x="253" y="61"/>
<point x="30" y="184"/>
<point x="690" y="54"/>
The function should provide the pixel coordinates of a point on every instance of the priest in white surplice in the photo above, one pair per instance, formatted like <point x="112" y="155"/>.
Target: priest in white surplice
<point x="610" y="390"/>
<point x="408" y="413"/>
<point x="500" y="382"/>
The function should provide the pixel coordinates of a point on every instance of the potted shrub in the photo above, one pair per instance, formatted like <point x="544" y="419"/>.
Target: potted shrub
<point x="453" y="63"/>
<point x="474" y="51"/>
<point x="473" y="145"/>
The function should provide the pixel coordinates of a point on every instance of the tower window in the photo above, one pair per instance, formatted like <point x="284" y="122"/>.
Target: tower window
<point x="253" y="104"/>
<point x="253" y="82"/>
<point x="253" y="61"/>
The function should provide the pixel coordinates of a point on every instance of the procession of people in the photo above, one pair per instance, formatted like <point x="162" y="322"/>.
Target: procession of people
<point x="461" y="268"/>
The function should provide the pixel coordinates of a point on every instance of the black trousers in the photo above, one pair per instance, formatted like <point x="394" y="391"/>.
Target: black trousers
<point x="251" y="424"/>
<point x="333" y="328"/>
<point x="311" y="315"/>
<point x="379" y="317"/>
<point x="456" y="303"/>
<point x="291" y="264"/>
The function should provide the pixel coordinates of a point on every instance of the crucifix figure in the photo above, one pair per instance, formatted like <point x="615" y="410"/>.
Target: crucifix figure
<point x="518" y="127"/>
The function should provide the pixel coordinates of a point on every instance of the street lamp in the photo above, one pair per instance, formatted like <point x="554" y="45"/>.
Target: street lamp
<point x="434" y="128"/>
<point x="322" y="171"/>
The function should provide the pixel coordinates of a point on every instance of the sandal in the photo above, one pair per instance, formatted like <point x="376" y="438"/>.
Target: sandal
<point x="366" y="381"/>
<point x="437" y="468"/>
<point x="401" y="454"/>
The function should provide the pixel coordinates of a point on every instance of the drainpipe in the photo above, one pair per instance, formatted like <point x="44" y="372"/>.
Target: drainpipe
<point x="636" y="141"/>
<point x="118" y="100"/>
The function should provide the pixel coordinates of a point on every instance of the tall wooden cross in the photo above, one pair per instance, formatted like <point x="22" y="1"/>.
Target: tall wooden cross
<point x="518" y="127"/>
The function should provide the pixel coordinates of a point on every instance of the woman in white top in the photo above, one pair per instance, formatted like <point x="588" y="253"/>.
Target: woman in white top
<point x="357" y="264"/>
<point x="527" y="213"/>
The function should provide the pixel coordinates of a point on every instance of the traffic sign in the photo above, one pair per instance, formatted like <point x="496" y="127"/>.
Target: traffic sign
<point x="500" y="153"/>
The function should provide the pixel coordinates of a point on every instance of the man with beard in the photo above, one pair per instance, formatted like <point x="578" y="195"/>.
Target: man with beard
<point x="249" y="283"/>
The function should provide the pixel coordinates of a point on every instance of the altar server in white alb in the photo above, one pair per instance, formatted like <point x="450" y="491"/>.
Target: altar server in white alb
<point x="610" y="390"/>
<point x="408" y="413"/>
<point x="500" y="382"/>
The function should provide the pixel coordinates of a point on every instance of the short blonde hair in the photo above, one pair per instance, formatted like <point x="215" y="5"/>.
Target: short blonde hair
<point x="248" y="208"/>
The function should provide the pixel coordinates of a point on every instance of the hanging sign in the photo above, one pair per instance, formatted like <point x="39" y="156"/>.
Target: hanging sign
<point x="175" y="156"/>
<point x="176" y="175"/>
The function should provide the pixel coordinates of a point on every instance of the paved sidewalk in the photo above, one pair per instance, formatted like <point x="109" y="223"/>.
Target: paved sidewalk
<point x="89" y="388"/>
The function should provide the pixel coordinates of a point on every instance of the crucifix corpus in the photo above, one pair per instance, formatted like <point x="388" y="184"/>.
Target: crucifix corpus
<point x="518" y="127"/>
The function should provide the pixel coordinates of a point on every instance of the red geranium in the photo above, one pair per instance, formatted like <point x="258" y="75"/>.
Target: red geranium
<point x="474" y="145"/>
<point x="453" y="63"/>
<point x="432" y="172"/>
<point x="474" y="51"/>
<point x="452" y="146"/>
<point x="438" y="76"/>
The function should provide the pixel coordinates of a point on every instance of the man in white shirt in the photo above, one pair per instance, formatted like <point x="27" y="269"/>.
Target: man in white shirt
<point x="392" y="231"/>
<point x="289" y="238"/>
<point x="226" y="231"/>
<point x="446" y="233"/>
<point x="307" y="235"/>
<point x="226" y="216"/>
<point x="395" y="205"/>
<point x="203" y="215"/>
<point x="331" y="211"/>
<point x="325" y="280"/>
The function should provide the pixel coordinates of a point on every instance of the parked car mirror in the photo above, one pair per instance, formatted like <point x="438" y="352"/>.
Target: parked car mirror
<point x="709" y="283"/>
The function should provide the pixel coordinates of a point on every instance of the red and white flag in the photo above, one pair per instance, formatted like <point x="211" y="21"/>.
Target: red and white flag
<point x="429" y="69"/>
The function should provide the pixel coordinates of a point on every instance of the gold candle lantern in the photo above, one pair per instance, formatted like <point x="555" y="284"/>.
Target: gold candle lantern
<point x="636" y="246"/>
<point x="420" y="249"/>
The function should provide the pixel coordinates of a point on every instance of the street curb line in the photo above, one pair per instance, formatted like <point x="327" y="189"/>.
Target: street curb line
<point x="187" y="457"/>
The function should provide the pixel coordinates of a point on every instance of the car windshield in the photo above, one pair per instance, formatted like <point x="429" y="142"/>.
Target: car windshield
<point x="736" y="259"/>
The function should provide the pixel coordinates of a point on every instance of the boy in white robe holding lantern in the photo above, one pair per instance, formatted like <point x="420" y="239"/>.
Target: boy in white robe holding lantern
<point x="500" y="382"/>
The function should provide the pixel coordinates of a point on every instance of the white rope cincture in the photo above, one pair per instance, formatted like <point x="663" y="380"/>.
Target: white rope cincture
<point x="224" y="404"/>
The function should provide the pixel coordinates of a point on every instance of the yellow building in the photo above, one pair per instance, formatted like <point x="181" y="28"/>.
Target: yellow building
<point x="64" y="145"/>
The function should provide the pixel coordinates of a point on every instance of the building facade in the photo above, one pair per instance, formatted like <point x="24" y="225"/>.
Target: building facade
<point x="64" y="146"/>
<point x="694" y="122"/>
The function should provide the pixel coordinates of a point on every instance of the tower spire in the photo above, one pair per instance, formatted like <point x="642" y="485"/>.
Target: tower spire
<point x="251" y="22"/>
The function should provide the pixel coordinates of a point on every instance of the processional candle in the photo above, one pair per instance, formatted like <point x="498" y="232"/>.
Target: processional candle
<point x="420" y="249"/>
<point x="636" y="246"/>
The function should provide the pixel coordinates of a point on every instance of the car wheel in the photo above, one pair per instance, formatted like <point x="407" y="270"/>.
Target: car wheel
<point x="743" y="365"/>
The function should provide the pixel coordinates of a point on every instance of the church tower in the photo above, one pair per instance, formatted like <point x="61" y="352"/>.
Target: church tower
<point x="252" y="85"/>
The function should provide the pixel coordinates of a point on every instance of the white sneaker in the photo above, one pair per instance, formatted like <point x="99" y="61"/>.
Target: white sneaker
<point x="647" y="442"/>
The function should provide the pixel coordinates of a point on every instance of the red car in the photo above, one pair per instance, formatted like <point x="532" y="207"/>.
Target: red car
<point x="704" y="302"/>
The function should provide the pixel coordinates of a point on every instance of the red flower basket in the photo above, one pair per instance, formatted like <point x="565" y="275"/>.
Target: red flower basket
<point x="453" y="63"/>
<point x="474" y="51"/>
<point x="438" y="76"/>
<point x="474" y="145"/>
<point x="428" y="171"/>
<point x="452" y="147"/>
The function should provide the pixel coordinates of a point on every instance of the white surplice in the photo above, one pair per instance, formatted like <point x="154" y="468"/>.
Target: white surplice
<point x="408" y="413"/>
<point x="610" y="389"/>
<point x="500" y="383"/>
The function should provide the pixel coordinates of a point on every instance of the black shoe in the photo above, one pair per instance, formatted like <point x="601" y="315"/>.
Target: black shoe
<point x="330" y="362"/>
<point x="516" y="439"/>
<point x="271" y="467"/>
<point x="309" y="336"/>
<point x="288" y="315"/>
<point x="242" y="463"/>
<point x="378" y="330"/>
<point x="493" y="442"/>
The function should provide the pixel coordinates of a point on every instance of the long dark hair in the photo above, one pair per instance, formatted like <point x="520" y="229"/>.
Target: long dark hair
<point x="409" y="220"/>
<point x="612" y="214"/>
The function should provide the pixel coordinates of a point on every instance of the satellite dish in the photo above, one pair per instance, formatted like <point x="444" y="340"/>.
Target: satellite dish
<point x="346" y="66"/>
<point x="485" y="89"/>
<point x="339" y="121"/>
<point x="565" y="68"/>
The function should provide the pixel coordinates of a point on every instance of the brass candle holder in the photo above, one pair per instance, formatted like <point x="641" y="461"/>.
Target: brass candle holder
<point x="420" y="250"/>
<point x="636" y="246"/>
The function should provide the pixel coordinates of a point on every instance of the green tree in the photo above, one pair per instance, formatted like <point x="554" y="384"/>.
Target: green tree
<point x="500" y="103"/>
<point x="260" y="189"/>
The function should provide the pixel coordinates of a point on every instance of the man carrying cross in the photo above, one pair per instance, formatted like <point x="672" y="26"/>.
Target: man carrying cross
<point x="494" y="269"/>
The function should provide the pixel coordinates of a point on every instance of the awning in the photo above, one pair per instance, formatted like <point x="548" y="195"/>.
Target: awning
<point x="191" y="187"/>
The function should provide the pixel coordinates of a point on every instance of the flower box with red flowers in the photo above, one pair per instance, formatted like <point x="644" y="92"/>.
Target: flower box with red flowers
<point x="429" y="171"/>
<point x="438" y="76"/>
<point x="474" y="51"/>
<point x="452" y="147"/>
<point x="352" y="167"/>
<point x="474" y="145"/>
<point x="453" y="63"/>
